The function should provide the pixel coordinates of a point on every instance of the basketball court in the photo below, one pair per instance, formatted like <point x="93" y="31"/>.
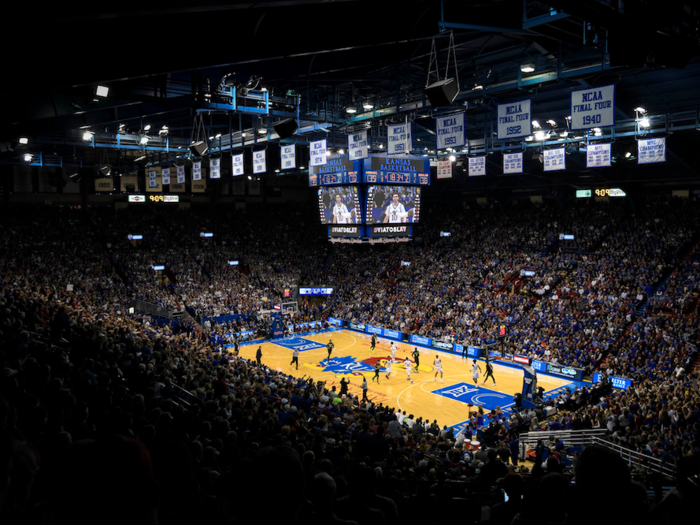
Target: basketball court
<point x="447" y="402"/>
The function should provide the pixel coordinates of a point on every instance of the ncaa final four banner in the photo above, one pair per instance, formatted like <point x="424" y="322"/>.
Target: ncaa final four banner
<point x="288" y="157"/>
<point x="398" y="138"/>
<point x="450" y="131"/>
<point x="259" y="164"/>
<point x="515" y="119"/>
<point x="181" y="174"/>
<point x="318" y="153"/>
<point x="215" y="168"/>
<point x="650" y="151"/>
<point x="598" y="155"/>
<point x="593" y="108"/>
<point x="512" y="163"/>
<point x="358" y="145"/>
<point x="237" y="165"/>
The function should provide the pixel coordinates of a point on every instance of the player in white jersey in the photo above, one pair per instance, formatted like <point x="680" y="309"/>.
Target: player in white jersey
<point x="341" y="215"/>
<point x="407" y="363"/>
<point x="393" y="350"/>
<point x="475" y="372"/>
<point x="387" y="367"/>
<point x="395" y="212"/>
<point x="438" y="368"/>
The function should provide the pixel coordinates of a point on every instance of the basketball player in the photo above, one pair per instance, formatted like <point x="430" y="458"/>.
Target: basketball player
<point x="416" y="357"/>
<point x="489" y="373"/>
<point x="388" y="367"/>
<point x="377" y="368"/>
<point x="330" y="347"/>
<point x="475" y="372"/>
<point x="438" y="368"/>
<point x="373" y="343"/>
<point x="393" y="350"/>
<point x="395" y="212"/>
<point x="341" y="215"/>
<point x="295" y="357"/>
<point x="407" y="364"/>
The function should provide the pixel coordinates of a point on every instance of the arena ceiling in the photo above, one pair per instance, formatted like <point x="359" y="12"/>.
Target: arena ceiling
<point x="163" y="62"/>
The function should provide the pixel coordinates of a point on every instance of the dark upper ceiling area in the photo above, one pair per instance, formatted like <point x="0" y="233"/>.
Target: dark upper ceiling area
<point x="163" y="62"/>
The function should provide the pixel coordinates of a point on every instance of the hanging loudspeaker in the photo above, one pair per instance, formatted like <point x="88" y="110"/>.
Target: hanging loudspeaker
<point x="199" y="148"/>
<point x="442" y="93"/>
<point x="286" y="128"/>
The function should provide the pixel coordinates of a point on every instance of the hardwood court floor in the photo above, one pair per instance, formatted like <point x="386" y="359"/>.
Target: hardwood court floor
<point x="447" y="402"/>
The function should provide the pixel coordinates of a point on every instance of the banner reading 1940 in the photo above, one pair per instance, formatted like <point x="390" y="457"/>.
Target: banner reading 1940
<point x="593" y="107"/>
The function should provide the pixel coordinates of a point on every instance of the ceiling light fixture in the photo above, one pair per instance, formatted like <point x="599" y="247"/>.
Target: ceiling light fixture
<point x="87" y="136"/>
<point x="640" y="109"/>
<point x="350" y="110"/>
<point x="536" y="124"/>
<point x="527" y="68"/>
<point x="367" y="106"/>
<point x="102" y="91"/>
<point x="644" y="122"/>
<point x="23" y="140"/>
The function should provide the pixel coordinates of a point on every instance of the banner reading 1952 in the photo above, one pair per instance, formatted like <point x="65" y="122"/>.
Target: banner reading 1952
<point x="593" y="107"/>
<point x="514" y="119"/>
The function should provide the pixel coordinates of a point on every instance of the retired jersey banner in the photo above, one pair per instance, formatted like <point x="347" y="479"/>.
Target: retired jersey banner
<point x="181" y="174"/>
<point x="515" y="119"/>
<point x="444" y="169"/>
<point x="398" y="137"/>
<point x="477" y="166"/>
<point x="165" y="176"/>
<point x="512" y="163"/>
<point x="197" y="170"/>
<point x="215" y="168"/>
<point x="450" y="131"/>
<point x="259" y="163"/>
<point x="288" y="156"/>
<point x="554" y="159"/>
<point x="237" y="164"/>
<point x="651" y="150"/>
<point x="358" y="145"/>
<point x="598" y="155"/>
<point x="593" y="107"/>
<point x="318" y="152"/>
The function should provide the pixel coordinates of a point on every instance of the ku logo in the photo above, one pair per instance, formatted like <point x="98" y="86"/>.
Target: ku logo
<point x="461" y="390"/>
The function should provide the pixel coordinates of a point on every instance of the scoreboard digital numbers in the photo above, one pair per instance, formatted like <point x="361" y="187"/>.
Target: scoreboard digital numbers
<point x="414" y="171"/>
<point x="600" y="192"/>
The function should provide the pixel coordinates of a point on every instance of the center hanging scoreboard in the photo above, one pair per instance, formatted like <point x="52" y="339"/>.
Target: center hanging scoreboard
<point x="404" y="169"/>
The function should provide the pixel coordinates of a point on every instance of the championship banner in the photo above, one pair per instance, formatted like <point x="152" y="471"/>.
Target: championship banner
<point x="181" y="174"/>
<point x="650" y="151"/>
<point x="593" y="107"/>
<point x="288" y="156"/>
<point x="259" y="164"/>
<point x="477" y="166"/>
<point x="153" y="183"/>
<point x="165" y="176"/>
<point x="318" y="153"/>
<point x="398" y="138"/>
<point x="598" y="155"/>
<point x="128" y="180"/>
<point x="215" y="168"/>
<point x="104" y="185"/>
<point x="358" y="145"/>
<point x="450" y="131"/>
<point x="237" y="164"/>
<point x="512" y="163"/>
<point x="197" y="170"/>
<point x="554" y="159"/>
<point x="515" y="119"/>
<point x="444" y="169"/>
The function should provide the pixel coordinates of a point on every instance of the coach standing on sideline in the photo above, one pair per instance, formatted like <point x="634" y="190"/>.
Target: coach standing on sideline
<point x="258" y="355"/>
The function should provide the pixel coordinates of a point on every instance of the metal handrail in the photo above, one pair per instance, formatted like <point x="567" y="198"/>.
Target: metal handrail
<point x="637" y="459"/>
<point x="569" y="437"/>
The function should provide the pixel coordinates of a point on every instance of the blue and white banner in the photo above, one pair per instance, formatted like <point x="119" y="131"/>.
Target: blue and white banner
<point x="398" y="137"/>
<point x="515" y="119"/>
<point x="419" y="340"/>
<point x="215" y="168"/>
<point x="512" y="163"/>
<point x="598" y="155"/>
<point x="165" y="175"/>
<point x="651" y="150"/>
<point x="593" y="107"/>
<point x="288" y="156"/>
<point x="554" y="159"/>
<point x="152" y="178"/>
<point x="472" y="351"/>
<point x="318" y="153"/>
<point x="237" y="164"/>
<point x="197" y="170"/>
<point x="259" y="164"/>
<point x="358" y="145"/>
<point x="477" y="166"/>
<point x="181" y="174"/>
<point x="335" y="322"/>
<point x="617" y="382"/>
<point x="450" y="131"/>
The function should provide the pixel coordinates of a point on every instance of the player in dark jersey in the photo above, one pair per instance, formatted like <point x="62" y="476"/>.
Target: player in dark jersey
<point x="416" y="358"/>
<point x="330" y="347"/>
<point x="489" y="373"/>
<point x="373" y="343"/>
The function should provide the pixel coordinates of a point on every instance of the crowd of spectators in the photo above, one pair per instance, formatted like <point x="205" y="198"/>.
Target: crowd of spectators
<point x="107" y="417"/>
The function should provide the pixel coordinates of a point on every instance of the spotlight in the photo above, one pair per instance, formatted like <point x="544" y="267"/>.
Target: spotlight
<point x="87" y="136"/>
<point x="539" y="135"/>
<point x="147" y="127"/>
<point x="105" y="171"/>
<point x="536" y="124"/>
<point x="351" y="110"/>
<point x="102" y="91"/>
<point x="640" y="109"/>
<point x="452" y="158"/>
<point x="628" y="155"/>
<point x="163" y="131"/>
<point x="478" y="87"/>
<point x="552" y="122"/>
<point x="144" y="140"/>
<point x="23" y="140"/>
<point x="341" y="151"/>
<point x="367" y="106"/>
<point x="527" y="68"/>
<point x="644" y="122"/>
<point x="27" y="157"/>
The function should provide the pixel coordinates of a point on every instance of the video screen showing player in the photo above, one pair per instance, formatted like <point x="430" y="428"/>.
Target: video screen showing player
<point x="393" y="204"/>
<point x="339" y="205"/>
